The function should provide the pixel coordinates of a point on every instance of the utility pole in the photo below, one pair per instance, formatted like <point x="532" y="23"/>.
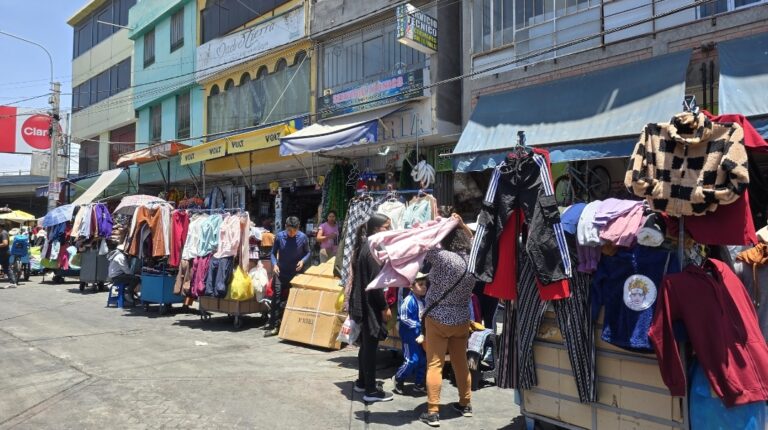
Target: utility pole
<point x="53" y="134"/>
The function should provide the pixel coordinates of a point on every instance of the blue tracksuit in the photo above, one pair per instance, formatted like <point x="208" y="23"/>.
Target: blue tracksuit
<point x="415" y="364"/>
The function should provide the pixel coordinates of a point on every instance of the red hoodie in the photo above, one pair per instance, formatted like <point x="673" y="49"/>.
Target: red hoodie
<point x="722" y="326"/>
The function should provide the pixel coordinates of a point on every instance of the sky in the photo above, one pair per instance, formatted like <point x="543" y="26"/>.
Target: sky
<point x="25" y="70"/>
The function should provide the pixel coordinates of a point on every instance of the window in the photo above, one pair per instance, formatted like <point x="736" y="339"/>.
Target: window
<point x="362" y="56"/>
<point x="372" y="56"/>
<point x="121" y="140"/>
<point x="155" y="122"/>
<point x="88" y="32"/>
<point x="182" y="116"/>
<point x="214" y="117"/>
<point x="177" y="30"/>
<point x="88" y="158"/>
<point x="222" y="16"/>
<point x="149" y="48"/>
<point x="262" y="73"/>
<point x="102" y="86"/>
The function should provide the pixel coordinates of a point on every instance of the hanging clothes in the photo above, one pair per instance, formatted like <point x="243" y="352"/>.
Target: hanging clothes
<point x="229" y="237"/>
<point x="395" y="211"/>
<point x="194" y="237"/>
<point x="522" y="182"/>
<point x="751" y="266"/>
<point x="209" y="238"/>
<point x="179" y="234"/>
<point x="153" y="220"/>
<point x="723" y="330"/>
<point x="359" y="213"/>
<point x="622" y="230"/>
<point x="418" y="211"/>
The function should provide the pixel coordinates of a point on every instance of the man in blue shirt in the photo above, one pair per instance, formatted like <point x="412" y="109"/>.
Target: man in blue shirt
<point x="290" y="254"/>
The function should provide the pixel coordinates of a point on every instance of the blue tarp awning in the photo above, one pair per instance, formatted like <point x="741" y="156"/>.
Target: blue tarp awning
<point x="744" y="76"/>
<point x="595" y="115"/>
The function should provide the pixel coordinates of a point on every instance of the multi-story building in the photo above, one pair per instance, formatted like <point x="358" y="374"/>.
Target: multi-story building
<point x="102" y="96"/>
<point x="167" y="101"/>
<point x="583" y="78"/>
<point x="374" y="70"/>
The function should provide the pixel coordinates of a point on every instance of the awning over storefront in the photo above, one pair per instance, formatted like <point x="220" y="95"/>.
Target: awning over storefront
<point x="761" y="125"/>
<point x="744" y="76"/>
<point x="162" y="150"/>
<point x="254" y="140"/>
<point x="597" y="115"/>
<point x="94" y="191"/>
<point x="206" y="151"/>
<point x="336" y="133"/>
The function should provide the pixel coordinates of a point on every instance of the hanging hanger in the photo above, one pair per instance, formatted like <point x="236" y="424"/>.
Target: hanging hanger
<point x="520" y="149"/>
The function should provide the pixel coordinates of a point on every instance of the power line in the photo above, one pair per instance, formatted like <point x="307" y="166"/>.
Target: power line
<point x="488" y="69"/>
<point x="27" y="99"/>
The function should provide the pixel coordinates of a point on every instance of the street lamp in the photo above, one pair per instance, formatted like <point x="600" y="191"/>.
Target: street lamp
<point x="54" y="129"/>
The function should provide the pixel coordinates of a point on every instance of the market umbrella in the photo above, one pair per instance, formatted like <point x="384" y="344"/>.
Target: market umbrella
<point x="129" y="203"/>
<point x="58" y="215"/>
<point x="20" y="217"/>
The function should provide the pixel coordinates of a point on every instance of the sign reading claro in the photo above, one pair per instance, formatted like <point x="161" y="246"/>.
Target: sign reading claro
<point x="35" y="130"/>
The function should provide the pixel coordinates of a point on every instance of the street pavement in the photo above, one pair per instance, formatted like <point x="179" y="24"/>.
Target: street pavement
<point x="68" y="362"/>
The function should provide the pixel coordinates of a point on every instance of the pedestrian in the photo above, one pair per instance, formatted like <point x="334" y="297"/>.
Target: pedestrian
<point x="447" y="320"/>
<point x="415" y="360"/>
<point x="370" y="310"/>
<point x="328" y="236"/>
<point x="290" y="254"/>
<point x="5" y="255"/>
<point x="123" y="270"/>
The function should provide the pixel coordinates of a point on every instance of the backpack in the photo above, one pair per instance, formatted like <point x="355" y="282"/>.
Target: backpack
<point x="20" y="246"/>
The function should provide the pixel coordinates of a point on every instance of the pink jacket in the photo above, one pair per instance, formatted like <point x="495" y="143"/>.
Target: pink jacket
<point x="401" y="252"/>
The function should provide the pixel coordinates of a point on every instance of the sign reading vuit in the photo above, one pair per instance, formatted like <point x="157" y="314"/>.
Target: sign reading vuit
<point x="416" y="29"/>
<point x="224" y="52"/>
<point x="372" y="95"/>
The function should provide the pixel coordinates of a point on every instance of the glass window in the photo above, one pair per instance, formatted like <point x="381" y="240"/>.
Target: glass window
<point x="182" y="116"/>
<point x="125" y="5"/>
<point x="85" y="94"/>
<point x="155" y="122"/>
<point x="372" y="56"/>
<point x="177" y="30"/>
<point x="121" y="140"/>
<point x="124" y="74"/>
<point x="281" y="65"/>
<point x="88" y="157"/>
<point x="222" y="16"/>
<point x="84" y="37"/>
<point x="262" y="72"/>
<point x="149" y="48"/>
<point x="103" y="31"/>
<point x="103" y="85"/>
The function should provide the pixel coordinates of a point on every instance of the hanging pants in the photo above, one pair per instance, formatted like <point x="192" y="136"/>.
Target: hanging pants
<point x="415" y="364"/>
<point x="522" y="183"/>
<point x="521" y="323"/>
<point x="219" y="277"/>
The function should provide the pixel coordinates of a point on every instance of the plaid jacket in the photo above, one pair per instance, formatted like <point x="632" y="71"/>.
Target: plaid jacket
<point x="689" y="166"/>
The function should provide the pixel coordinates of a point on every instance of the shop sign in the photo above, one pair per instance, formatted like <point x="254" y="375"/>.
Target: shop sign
<point x="416" y="29"/>
<point x="245" y="45"/>
<point x="258" y="139"/>
<point x="372" y="95"/>
<point x="23" y="131"/>
<point x="206" y="151"/>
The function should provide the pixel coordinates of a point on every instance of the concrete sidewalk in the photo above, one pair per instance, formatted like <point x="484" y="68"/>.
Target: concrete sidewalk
<point x="67" y="362"/>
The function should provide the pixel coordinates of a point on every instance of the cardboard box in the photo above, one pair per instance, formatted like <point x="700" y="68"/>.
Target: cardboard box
<point x="310" y="317"/>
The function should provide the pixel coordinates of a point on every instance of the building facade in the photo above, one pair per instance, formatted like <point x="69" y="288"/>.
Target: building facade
<point x="166" y="98"/>
<point x="103" y="121"/>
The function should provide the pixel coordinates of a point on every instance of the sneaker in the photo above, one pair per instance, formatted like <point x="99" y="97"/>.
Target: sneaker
<point x="378" y="396"/>
<point x="12" y="286"/>
<point x="273" y="332"/>
<point x="399" y="387"/>
<point x="359" y="388"/>
<point x="432" y="420"/>
<point x="420" y="388"/>
<point x="268" y="327"/>
<point x="463" y="410"/>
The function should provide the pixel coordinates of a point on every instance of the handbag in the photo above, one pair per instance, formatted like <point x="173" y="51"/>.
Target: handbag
<point x="440" y="299"/>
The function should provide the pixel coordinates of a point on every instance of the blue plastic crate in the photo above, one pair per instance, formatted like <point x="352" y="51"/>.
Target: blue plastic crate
<point x="158" y="289"/>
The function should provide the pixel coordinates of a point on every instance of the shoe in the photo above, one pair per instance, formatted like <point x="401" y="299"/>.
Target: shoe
<point x="268" y="327"/>
<point x="359" y="388"/>
<point x="272" y="332"/>
<point x="378" y="396"/>
<point x="432" y="420"/>
<point x="463" y="410"/>
<point x="419" y="388"/>
<point x="12" y="286"/>
<point x="399" y="387"/>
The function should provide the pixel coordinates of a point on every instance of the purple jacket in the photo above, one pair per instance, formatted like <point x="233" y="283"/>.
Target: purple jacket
<point x="103" y="220"/>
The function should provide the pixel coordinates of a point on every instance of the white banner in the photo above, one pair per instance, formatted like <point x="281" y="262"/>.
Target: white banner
<point x="40" y="166"/>
<point x="245" y="45"/>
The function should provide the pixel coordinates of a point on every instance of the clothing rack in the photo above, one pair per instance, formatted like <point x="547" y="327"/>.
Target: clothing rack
<point x="215" y="210"/>
<point x="382" y="193"/>
<point x="689" y="105"/>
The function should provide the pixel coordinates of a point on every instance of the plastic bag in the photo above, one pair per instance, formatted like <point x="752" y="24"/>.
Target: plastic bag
<point x="240" y="289"/>
<point x="340" y="302"/>
<point x="103" y="249"/>
<point x="259" y="281"/>
<point x="349" y="331"/>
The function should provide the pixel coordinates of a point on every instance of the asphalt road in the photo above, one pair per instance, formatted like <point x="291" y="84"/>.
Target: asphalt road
<point x="68" y="362"/>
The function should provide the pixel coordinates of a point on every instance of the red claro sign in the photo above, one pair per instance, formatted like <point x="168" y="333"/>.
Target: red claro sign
<point x="34" y="131"/>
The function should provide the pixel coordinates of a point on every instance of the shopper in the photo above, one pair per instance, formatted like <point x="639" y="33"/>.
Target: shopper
<point x="415" y="363"/>
<point x="328" y="236"/>
<point x="4" y="255"/>
<point x="290" y="254"/>
<point x="447" y="318"/>
<point x="123" y="270"/>
<point x="370" y="310"/>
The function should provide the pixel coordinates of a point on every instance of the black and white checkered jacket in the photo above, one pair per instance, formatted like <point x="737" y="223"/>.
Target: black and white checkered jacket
<point x="689" y="166"/>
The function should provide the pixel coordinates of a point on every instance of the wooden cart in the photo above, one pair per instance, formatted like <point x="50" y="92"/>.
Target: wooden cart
<point x="233" y="308"/>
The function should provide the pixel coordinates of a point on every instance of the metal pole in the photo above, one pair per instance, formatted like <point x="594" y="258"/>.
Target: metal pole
<point x="53" y="133"/>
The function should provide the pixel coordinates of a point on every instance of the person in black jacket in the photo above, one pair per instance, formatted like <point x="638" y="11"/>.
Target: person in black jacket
<point x="370" y="310"/>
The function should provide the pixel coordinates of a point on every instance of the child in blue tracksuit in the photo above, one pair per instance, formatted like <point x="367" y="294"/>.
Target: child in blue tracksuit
<point x="415" y="364"/>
